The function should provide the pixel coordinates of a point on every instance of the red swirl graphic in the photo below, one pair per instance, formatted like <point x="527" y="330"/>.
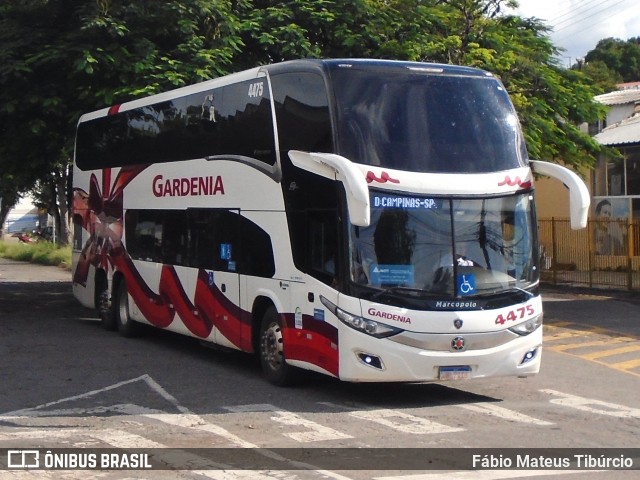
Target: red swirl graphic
<point x="101" y="214"/>
<point x="384" y="178"/>
<point x="516" y="181"/>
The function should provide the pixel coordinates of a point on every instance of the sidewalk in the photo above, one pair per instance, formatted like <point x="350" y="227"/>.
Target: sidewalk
<point x="12" y="271"/>
<point x="577" y="290"/>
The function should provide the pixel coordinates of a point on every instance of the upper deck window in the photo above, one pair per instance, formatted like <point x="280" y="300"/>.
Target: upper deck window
<point x="233" y="120"/>
<point x="426" y="122"/>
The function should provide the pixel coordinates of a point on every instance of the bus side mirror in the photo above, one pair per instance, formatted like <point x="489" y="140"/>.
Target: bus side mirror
<point x="579" y="199"/>
<point x="339" y="168"/>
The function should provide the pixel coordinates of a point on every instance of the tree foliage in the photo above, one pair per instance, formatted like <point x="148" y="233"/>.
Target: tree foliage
<point x="621" y="58"/>
<point x="60" y="58"/>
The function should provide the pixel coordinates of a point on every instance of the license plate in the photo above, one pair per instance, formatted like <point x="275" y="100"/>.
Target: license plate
<point x="459" y="372"/>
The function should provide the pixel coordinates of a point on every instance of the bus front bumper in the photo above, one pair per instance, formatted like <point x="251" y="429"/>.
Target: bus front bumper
<point x="368" y="359"/>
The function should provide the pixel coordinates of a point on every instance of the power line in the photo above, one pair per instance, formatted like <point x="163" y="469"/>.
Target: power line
<point x="583" y="26"/>
<point x="571" y="22"/>
<point x="570" y="11"/>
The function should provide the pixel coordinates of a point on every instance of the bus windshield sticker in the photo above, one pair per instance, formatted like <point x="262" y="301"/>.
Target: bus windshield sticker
<point x="466" y="284"/>
<point x="388" y="201"/>
<point x="225" y="251"/>
<point x="392" y="274"/>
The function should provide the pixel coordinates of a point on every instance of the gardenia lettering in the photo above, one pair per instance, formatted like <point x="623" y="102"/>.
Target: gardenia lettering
<point x="187" y="186"/>
<point x="389" y="316"/>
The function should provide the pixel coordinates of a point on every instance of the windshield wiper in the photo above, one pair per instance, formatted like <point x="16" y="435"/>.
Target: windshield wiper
<point x="400" y="290"/>
<point x="506" y="292"/>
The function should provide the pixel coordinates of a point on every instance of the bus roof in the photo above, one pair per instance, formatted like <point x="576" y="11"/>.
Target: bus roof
<point x="334" y="63"/>
<point x="291" y="65"/>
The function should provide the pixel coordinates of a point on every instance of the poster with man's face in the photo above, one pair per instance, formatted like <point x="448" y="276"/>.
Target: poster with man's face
<point x="611" y="215"/>
<point x="611" y="207"/>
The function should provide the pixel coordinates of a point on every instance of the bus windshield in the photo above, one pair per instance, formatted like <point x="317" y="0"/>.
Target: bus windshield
<point x="426" y="122"/>
<point x="445" y="247"/>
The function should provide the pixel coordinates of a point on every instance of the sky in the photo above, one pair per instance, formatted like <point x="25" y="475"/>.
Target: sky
<point x="578" y="25"/>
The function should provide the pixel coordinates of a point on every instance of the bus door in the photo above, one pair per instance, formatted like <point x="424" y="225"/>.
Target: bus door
<point x="215" y="252"/>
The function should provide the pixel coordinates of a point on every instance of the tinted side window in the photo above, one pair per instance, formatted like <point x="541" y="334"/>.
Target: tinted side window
<point x="256" y="250"/>
<point x="302" y="112"/>
<point x="219" y="240"/>
<point x="231" y="120"/>
<point x="144" y="234"/>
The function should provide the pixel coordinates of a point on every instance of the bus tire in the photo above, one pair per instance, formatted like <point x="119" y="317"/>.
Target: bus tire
<point x="126" y="326"/>
<point x="104" y="306"/>
<point x="274" y="366"/>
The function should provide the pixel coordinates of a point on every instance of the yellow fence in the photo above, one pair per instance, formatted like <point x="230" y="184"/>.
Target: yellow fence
<point x="606" y="254"/>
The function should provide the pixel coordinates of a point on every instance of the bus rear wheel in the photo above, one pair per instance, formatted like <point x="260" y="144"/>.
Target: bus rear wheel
<point x="272" y="359"/>
<point x="126" y="326"/>
<point x="104" y="307"/>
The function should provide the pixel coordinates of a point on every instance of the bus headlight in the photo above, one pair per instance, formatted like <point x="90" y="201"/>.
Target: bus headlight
<point x="370" y="327"/>
<point x="530" y="326"/>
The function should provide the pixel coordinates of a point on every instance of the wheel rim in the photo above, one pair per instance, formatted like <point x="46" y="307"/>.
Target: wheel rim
<point x="272" y="343"/>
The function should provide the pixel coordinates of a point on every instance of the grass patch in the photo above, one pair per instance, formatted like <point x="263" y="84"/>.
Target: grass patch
<point x="44" y="253"/>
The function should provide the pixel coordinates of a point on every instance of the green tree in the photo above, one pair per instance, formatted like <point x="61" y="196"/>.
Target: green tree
<point x="551" y="101"/>
<point x="621" y="57"/>
<point x="60" y="58"/>
<point x="606" y="79"/>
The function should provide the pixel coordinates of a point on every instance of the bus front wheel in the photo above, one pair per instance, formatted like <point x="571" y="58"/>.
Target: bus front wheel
<point x="272" y="359"/>
<point x="126" y="326"/>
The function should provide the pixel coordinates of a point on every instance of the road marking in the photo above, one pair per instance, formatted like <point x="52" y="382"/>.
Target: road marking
<point x="121" y="408"/>
<point x="185" y="419"/>
<point x="29" y="411"/>
<point x="595" y="343"/>
<point x="254" y="407"/>
<point x="42" y="434"/>
<point x="559" y="324"/>
<point x="504" y="413"/>
<point x="611" y="352"/>
<point x="317" y="432"/>
<point x="614" y="339"/>
<point x="628" y="365"/>
<point x="196" y="422"/>
<point x="551" y="337"/>
<point x="587" y="405"/>
<point x="432" y="427"/>
<point x="407" y="424"/>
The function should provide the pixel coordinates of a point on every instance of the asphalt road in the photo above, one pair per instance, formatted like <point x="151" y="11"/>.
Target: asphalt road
<point x="67" y="383"/>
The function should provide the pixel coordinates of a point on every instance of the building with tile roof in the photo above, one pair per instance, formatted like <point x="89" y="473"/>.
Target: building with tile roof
<point x="617" y="180"/>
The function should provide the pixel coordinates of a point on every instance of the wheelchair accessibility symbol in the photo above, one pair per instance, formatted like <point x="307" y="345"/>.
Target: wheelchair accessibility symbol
<point x="466" y="284"/>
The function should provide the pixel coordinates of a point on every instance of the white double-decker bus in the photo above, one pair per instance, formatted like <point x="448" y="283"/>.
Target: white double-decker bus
<point x="370" y="220"/>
